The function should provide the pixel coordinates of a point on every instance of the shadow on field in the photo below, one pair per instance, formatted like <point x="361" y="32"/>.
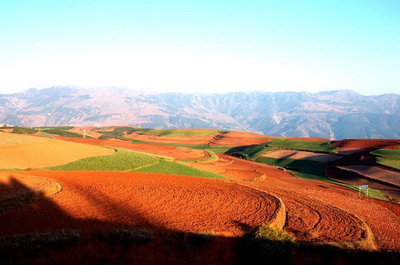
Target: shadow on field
<point x="15" y="193"/>
<point x="38" y="231"/>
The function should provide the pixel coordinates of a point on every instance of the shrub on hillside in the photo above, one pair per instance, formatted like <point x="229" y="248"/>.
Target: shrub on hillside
<point x="269" y="246"/>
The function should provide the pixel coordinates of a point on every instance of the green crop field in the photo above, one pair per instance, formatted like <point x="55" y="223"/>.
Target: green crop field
<point x="319" y="146"/>
<point x="21" y="130"/>
<point x="56" y="127"/>
<point x="304" y="166"/>
<point x="313" y="170"/>
<point x="122" y="160"/>
<point x="250" y="152"/>
<point x="387" y="152"/>
<point x="178" y="169"/>
<point x="218" y="149"/>
<point x="119" y="132"/>
<point x="181" y="132"/>
<point x="127" y="160"/>
<point x="388" y="157"/>
<point x="62" y="133"/>
<point x="213" y="157"/>
<point x="392" y="162"/>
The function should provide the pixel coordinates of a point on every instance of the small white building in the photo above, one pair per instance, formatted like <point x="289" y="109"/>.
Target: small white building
<point x="6" y="125"/>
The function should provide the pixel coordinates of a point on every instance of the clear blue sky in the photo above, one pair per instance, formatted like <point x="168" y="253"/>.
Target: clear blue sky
<point x="205" y="46"/>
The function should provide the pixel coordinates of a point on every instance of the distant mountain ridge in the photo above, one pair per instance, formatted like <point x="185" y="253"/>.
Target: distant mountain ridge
<point x="331" y="114"/>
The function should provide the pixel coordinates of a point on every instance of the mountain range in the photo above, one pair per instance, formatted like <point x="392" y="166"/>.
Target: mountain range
<point x="330" y="114"/>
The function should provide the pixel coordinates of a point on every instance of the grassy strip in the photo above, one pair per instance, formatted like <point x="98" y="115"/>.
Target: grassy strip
<point x="388" y="157"/>
<point x="122" y="160"/>
<point x="386" y="152"/>
<point x="57" y="127"/>
<point x="304" y="166"/>
<point x="63" y="133"/>
<point x="22" y="130"/>
<point x="167" y="167"/>
<point x="391" y="162"/>
<point x="313" y="170"/>
<point x="213" y="157"/>
<point x="251" y="152"/>
<point x="218" y="149"/>
<point x="254" y="152"/>
<point x="119" y="132"/>
<point x="320" y="146"/>
<point x="181" y="133"/>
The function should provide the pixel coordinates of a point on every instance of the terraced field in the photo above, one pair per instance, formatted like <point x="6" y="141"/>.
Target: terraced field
<point x="304" y="145"/>
<point x="181" y="185"/>
<point x="388" y="157"/>
<point x="94" y="200"/>
<point x="316" y="211"/>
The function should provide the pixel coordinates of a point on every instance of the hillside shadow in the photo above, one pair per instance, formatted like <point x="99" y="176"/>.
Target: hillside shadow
<point x="16" y="193"/>
<point x="38" y="231"/>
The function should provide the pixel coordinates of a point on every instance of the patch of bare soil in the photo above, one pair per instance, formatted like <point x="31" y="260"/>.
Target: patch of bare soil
<point x="319" y="211"/>
<point x="92" y="201"/>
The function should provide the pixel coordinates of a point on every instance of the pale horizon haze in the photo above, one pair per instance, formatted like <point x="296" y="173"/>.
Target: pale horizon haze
<point x="202" y="46"/>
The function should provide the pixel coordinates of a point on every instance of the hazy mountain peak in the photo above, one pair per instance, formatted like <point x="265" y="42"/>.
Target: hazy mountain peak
<point x="330" y="114"/>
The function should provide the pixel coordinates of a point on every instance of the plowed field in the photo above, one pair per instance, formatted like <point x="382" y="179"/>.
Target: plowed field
<point x="350" y="144"/>
<point x="15" y="188"/>
<point x="108" y="200"/>
<point x="35" y="152"/>
<point x="317" y="211"/>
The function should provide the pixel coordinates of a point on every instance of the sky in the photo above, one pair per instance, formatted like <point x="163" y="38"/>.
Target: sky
<point x="201" y="46"/>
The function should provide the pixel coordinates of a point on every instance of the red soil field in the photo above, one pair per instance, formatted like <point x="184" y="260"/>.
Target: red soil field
<point x="13" y="186"/>
<point x="350" y="144"/>
<point x="316" y="210"/>
<point x="93" y="201"/>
